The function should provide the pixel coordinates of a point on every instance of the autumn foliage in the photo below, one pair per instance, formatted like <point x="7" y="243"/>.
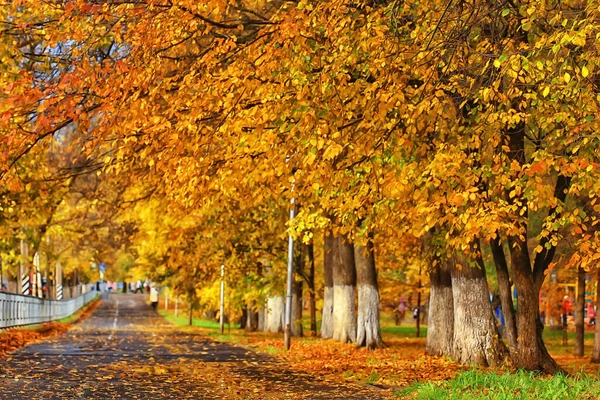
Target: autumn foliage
<point x="428" y="140"/>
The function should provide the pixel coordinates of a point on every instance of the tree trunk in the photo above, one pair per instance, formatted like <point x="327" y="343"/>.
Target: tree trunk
<point x="596" y="351"/>
<point x="368" y="329"/>
<point x="261" y="319"/>
<point x="440" y="328"/>
<point x="580" y="312"/>
<point x="531" y="351"/>
<point x="242" y="321"/>
<point x="251" y="318"/>
<point x="297" y="286"/>
<point x="344" y="288"/>
<point x="475" y="339"/>
<point x="274" y="314"/>
<point x="506" y="299"/>
<point x="311" y="287"/>
<point x="297" y="308"/>
<point x="328" y="260"/>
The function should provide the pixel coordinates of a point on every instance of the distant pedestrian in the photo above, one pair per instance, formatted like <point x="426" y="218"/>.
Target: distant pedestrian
<point x="400" y="311"/>
<point x="138" y="287"/>
<point x="416" y="313"/>
<point x="154" y="297"/>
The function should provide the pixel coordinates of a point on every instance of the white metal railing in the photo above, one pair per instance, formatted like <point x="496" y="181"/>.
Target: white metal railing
<point x="17" y="310"/>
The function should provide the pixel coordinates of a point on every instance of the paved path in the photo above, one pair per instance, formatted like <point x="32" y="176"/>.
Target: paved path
<point x="125" y="350"/>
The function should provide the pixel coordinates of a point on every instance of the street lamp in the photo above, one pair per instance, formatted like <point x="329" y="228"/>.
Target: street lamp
<point x="290" y="278"/>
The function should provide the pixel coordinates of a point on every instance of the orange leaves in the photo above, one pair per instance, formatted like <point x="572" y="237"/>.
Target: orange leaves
<point x="401" y="363"/>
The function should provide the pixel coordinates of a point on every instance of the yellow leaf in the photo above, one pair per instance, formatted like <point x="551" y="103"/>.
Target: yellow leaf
<point x="538" y="249"/>
<point x="585" y="72"/>
<point x="567" y="77"/>
<point x="546" y="91"/>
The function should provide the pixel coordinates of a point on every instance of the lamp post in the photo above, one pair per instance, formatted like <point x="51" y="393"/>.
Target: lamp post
<point x="290" y="277"/>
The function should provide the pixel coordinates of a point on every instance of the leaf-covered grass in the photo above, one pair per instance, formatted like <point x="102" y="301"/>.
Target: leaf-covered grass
<point x="480" y="384"/>
<point x="403" y="363"/>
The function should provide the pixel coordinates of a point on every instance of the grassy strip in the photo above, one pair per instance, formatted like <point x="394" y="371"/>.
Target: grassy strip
<point x="479" y="384"/>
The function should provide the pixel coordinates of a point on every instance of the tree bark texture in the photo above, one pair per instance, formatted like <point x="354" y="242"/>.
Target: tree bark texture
<point x="297" y="286"/>
<point x="327" y="313"/>
<point x="475" y="339"/>
<point x="368" y="329"/>
<point x="297" y="308"/>
<point x="274" y="314"/>
<point x="596" y="350"/>
<point x="311" y="287"/>
<point x="261" y="319"/>
<point x="251" y="318"/>
<point x="344" y="292"/>
<point x="580" y="312"/>
<point x="531" y="351"/>
<point x="440" y="328"/>
<point x="506" y="299"/>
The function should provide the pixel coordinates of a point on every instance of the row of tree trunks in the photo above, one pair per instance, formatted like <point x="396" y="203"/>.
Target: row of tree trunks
<point x="461" y="322"/>
<point x="350" y="271"/>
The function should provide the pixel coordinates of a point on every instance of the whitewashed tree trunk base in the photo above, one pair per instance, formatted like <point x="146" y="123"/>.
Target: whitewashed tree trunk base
<point x="274" y="314"/>
<point x="327" y="317"/>
<point x="344" y="314"/>
<point x="440" y="328"/>
<point x="368" y="330"/>
<point x="475" y="335"/>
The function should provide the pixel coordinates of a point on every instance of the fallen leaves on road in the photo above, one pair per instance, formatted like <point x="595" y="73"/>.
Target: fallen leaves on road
<point x="14" y="339"/>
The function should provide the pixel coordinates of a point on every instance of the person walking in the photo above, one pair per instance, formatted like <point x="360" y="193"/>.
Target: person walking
<point x="154" y="297"/>
<point x="401" y="311"/>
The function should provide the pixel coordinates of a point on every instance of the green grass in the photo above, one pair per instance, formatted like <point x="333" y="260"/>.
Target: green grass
<point x="553" y="338"/>
<point x="404" y="331"/>
<point x="183" y="320"/>
<point x="477" y="384"/>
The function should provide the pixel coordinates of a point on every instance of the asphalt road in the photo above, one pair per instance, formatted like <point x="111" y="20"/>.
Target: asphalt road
<point x="125" y="350"/>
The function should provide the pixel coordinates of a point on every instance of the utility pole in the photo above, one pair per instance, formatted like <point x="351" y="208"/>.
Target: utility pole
<point x="290" y="278"/>
<point x="222" y="308"/>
